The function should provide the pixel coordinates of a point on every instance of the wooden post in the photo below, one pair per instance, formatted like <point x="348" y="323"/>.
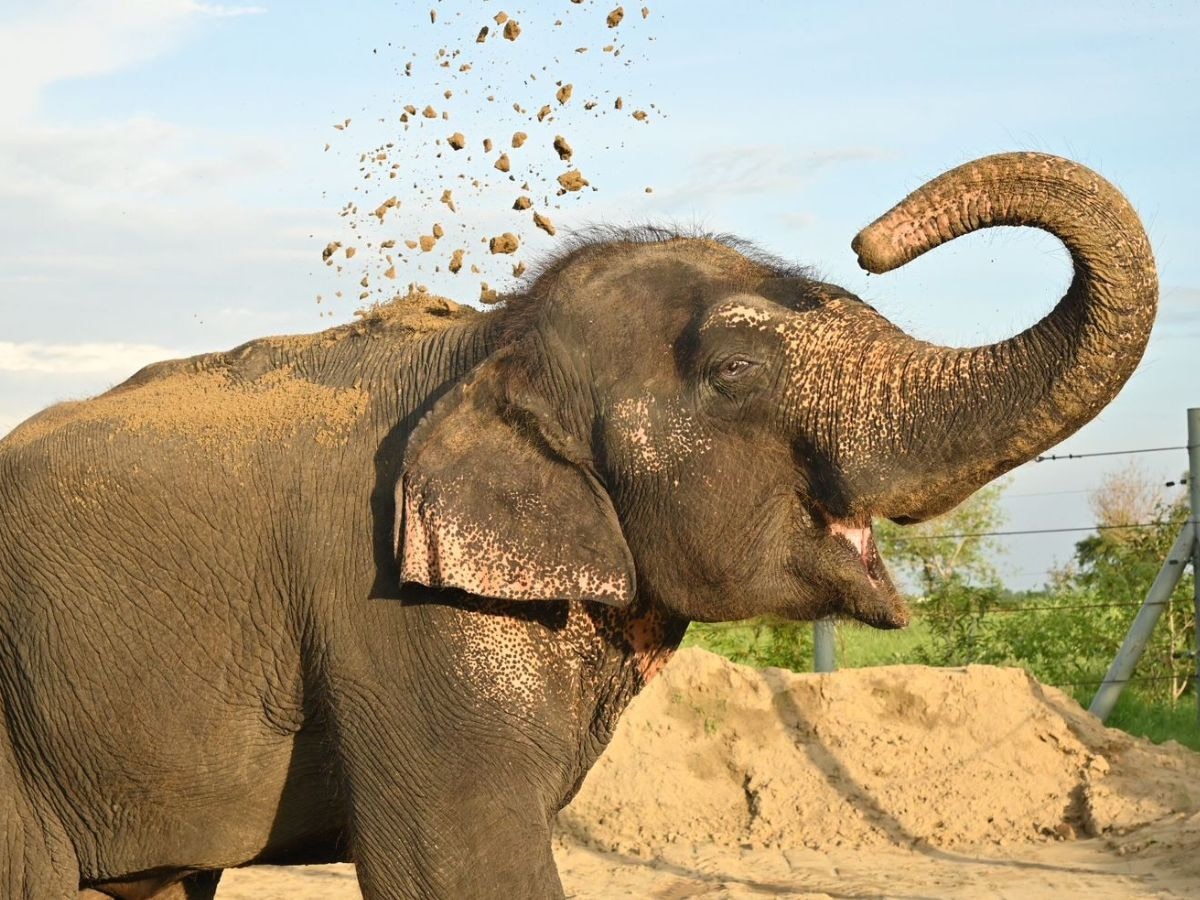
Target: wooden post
<point x="1193" y="420"/>
<point x="824" y="651"/>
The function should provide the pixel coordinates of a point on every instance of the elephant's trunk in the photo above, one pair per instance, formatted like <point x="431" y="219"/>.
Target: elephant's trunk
<point x="964" y="416"/>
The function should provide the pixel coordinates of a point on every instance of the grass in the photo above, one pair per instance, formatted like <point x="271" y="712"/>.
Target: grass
<point x="789" y="645"/>
<point x="860" y="646"/>
<point x="1153" y="719"/>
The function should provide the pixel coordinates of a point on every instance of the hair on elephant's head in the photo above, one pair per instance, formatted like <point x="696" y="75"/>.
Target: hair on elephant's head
<point x="684" y="419"/>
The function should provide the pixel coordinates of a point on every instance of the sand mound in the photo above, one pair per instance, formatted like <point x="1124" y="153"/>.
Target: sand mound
<point x="715" y="753"/>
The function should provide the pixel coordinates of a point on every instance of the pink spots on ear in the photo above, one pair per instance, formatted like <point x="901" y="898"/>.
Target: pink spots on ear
<point x="438" y="548"/>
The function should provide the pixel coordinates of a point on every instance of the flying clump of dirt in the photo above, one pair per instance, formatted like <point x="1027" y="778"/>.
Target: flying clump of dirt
<point x="533" y="79"/>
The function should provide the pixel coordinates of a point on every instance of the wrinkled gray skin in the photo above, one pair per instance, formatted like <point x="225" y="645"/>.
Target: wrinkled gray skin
<point x="252" y="611"/>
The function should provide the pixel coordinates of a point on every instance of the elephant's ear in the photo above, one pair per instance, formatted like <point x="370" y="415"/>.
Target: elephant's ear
<point x="496" y="500"/>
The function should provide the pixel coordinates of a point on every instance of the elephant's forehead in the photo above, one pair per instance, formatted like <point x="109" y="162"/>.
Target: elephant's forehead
<point x="743" y="309"/>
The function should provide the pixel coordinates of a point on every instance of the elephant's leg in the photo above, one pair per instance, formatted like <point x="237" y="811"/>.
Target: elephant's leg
<point x="201" y="886"/>
<point x="448" y="798"/>
<point x="198" y="886"/>
<point x="37" y="861"/>
<point x="441" y="813"/>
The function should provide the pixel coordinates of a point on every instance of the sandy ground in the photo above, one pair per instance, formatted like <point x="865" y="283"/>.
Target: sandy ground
<point x="891" y="782"/>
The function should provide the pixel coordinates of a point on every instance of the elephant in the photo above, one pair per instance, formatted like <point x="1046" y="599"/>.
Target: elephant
<point x="379" y="594"/>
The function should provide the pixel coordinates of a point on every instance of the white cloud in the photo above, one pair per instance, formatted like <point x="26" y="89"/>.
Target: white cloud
<point x="123" y="162"/>
<point x="89" y="37"/>
<point x="221" y="11"/>
<point x="746" y="170"/>
<point x="79" y="359"/>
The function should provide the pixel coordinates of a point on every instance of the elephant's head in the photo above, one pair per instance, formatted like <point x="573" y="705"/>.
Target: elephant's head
<point x="686" y="420"/>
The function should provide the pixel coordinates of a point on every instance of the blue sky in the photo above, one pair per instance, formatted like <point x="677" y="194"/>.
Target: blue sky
<point x="164" y="187"/>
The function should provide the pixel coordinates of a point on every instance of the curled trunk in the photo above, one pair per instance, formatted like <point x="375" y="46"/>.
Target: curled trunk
<point x="965" y="416"/>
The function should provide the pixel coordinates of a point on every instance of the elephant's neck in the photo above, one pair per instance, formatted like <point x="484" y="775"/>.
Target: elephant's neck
<point x="625" y="650"/>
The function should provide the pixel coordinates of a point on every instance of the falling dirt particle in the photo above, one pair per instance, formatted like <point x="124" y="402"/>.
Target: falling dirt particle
<point x="619" y="104"/>
<point x="457" y="140"/>
<point x="326" y="148"/>
<point x="404" y="118"/>
<point x="410" y="109"/>
<point x="408" y="68"/>
<point x="350" y="251"/>
<point x="487" y="294"/>
<point x="390" y="272"/>
<point x="591" y="104"/>
<point x="640" y="115"/>
<point x="411" y="245"/>
<point x="429" y="112"/>
<point x="544" y="223"/>
<point x="445" y="115"/>
<point x="365" y="282"/>
<point x="388" y="244"/>
<point x="483" y="33"/>
<point x="487" y="145"/>
<point x="331" y="248"/>
<point x="562" y="148"/>
<point x="511" y="30"/>
<point x="649" y="190"/>
<point x="522" y="203"/>
<point x="447" y="94"/>
<point x="581" y="49"/>
<point x="438" y="231"/>
<point x="502" y="163"/>
<point x="433" y="15"/>
<point x="543" y="112"/>
<point x="518" y="108"/>
<point x="519" y="270"/>
<point x="456" y="259"/>
<point x="427" y="242"/>
<point x="563" y="94"/>
<point x="645" y="12"/>
<point x="615" y="17"/>
<point x="525" y="186"/>
<point x="465" y="67"/>
<point x="609" y="48"/>
<point x="519" y="138"/>
<point x="382" y="209"/>
<point x="504" y="243"/>
<point x="500" y="17"/>
<point x="474" y="269"/>
<point x="572" y="181"/>
<point x="448" y="199"/>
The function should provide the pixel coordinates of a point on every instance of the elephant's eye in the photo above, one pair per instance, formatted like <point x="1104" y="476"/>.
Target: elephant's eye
<point x="736" y="367"/>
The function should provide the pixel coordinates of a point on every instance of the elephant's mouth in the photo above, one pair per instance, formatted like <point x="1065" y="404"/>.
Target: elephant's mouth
<point x="877" y="602"/>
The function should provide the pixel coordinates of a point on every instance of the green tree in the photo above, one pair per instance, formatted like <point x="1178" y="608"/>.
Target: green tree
<point x="955" y="548"/>
<point x="1117" y="565"/>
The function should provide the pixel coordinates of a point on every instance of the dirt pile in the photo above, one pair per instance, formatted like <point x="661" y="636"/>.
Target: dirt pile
<point x="907" y="756"/>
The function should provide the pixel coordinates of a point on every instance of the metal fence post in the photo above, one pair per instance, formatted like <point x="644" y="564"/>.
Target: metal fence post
<point x="1147" y="617"/>
<point x="1193" y="420"/>
<point x="824" y="651"/>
